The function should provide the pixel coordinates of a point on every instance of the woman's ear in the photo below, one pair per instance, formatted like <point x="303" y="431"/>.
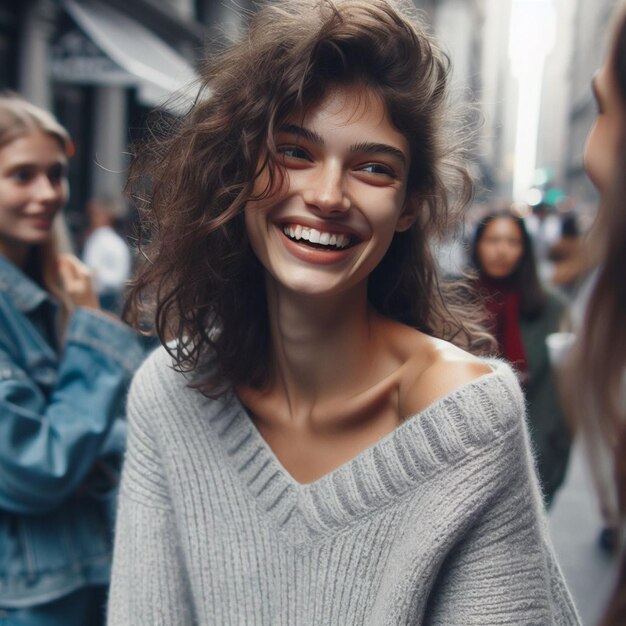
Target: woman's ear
<point x="409" y="213"/>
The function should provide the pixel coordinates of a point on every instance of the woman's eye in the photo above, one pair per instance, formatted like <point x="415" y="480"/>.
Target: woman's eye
<point x="22" y="175"/>
<point x="293" y="152"/>
<point x="56" y="174"/>
<point x="378" y="168"/>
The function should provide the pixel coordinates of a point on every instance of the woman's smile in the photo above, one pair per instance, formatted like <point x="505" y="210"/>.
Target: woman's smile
<point x="315" y="238"/>
<point x="316" y="247"/>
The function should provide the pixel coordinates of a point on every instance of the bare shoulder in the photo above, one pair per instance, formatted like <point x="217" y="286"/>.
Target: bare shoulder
<point x="440" y="370"/>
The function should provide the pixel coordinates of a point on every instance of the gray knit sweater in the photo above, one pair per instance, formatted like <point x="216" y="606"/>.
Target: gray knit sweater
<point x="438" y="523"/>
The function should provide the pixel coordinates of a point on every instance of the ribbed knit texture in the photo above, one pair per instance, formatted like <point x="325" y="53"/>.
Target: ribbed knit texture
<point x="440" y="522"/>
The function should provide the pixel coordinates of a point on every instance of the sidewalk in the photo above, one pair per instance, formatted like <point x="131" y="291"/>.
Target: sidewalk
<point x="574" y="525"/>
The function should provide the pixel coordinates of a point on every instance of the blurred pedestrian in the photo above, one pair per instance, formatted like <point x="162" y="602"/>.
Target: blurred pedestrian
<point x="521" y="314"/>
<point x="597" y="383"/>
<point x="307" y="448"/>
<point x="64" y="369"/>
<point x="105" y="253"/>
<point x="543" y="226"/>
<point x="571" y="259"/>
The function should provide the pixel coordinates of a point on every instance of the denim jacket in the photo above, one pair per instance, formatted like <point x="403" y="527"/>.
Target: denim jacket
<point x="61" y="434"/>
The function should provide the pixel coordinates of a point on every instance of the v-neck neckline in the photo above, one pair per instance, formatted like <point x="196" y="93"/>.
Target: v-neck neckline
<point x="440" y="434"/>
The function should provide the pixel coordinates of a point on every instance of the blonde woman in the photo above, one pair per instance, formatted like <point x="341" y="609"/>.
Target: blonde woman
<point x="64" y="369"/>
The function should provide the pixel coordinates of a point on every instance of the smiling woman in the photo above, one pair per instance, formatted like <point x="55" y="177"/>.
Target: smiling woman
<point x="34" y="165"/>
<point x="309" y="447"/>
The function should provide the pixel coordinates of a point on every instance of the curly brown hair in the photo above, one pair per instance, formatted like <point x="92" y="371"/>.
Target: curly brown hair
<point x="200" y="273"/>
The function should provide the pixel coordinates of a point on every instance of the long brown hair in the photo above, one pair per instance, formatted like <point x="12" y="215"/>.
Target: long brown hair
<point x="598" y="364"/>
<point x="600" y="352"/>
<point x="199" y="271"/>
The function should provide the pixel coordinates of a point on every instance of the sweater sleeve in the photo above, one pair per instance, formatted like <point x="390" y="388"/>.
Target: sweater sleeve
<point x="503" y="569"/>
<point x="148" y="584"/>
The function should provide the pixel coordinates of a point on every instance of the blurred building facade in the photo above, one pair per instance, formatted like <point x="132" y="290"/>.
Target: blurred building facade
<point x="101" y="65"/>
<point x="495" y="97"/>
<point x="462" y="29"/>
<point x="568" y="107"/>
<point x="552" y="139"/>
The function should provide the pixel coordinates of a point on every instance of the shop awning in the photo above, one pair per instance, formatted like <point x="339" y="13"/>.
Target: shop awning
<point x="114" y="49"/>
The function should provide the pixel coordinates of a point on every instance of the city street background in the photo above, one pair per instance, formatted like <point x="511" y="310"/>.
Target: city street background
<point x="522" y="67"/>
<point x="575" y="524"/>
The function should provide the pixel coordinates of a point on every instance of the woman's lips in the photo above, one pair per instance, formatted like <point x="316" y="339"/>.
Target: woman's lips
<point x="315" y="252"/>
<point x="42" y="222"/>
<point x="320" y="237"/>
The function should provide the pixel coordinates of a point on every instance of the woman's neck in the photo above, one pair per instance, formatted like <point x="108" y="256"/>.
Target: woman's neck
<point x="320" y="346"/>
<point x="504" y="285"/>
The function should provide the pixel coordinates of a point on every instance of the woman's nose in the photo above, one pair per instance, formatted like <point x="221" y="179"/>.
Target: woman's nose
<point x="325" y="191"/>
<point x="46" y="190"/>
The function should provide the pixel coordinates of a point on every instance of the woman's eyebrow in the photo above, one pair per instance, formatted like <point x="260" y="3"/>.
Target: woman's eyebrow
<point x="300" y="131"/>
<point x="378" y="148"/>
<point x="27" y="163"/>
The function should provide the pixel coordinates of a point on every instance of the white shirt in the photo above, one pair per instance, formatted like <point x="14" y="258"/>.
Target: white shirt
<point x="108" y="257"/>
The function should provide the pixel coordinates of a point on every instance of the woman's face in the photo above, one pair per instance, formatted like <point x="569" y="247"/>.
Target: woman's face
<point x="343" y="198"/>
<point x="601" y="150"/>
<point x="33" y="188"/>
<point x="501" y="247"/>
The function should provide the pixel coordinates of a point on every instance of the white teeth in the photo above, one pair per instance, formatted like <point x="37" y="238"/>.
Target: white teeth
<point x="299" y="232"/>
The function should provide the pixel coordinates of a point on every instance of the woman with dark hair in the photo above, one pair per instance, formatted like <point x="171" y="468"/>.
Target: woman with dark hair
<point x="597" y="373"/>
<point x="521" y="314"/>
<point x="308" y="448"/>
<point x="64" y="372"/>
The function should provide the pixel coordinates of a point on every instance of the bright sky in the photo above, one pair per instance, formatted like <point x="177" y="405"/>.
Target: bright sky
<point x="532" y="37"/>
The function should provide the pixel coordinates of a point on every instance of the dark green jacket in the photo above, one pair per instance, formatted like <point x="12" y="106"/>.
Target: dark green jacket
<point x="548" y="429"/>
